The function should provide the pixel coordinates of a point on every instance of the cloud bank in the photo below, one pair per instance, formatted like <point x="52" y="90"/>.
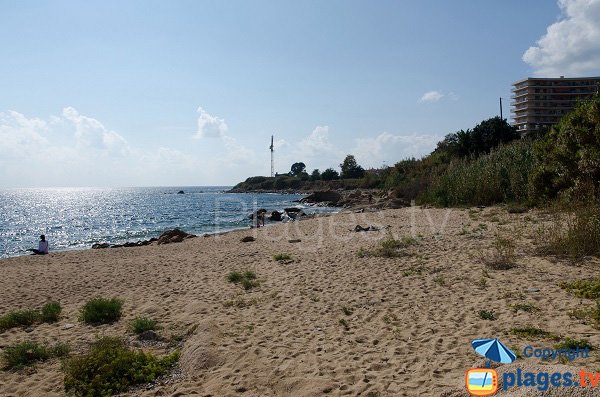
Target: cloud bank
<point x="571" y="46"/>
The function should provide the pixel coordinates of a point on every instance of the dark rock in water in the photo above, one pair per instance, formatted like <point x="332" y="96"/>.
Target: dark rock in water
<point x="173" y="236"/>
<point x="275" y="216"/>
<point x="153" y="239"/>
<point x="330" y="196"/>
<point x="181" y="192"/>
<point x="100" y="246"/>
<point x="248" y="239"/>
<point x="292" y="209"/>
<point x="297" y="214"/>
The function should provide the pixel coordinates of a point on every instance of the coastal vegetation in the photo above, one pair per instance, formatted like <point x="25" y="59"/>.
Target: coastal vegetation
<point x="28" y="353"/>
<point x="488" y="164"/>
<point x="140" y="325"/>
<point x="101" y="311"/>
<point x="246" y="279"/>
<point x="49" y="313"/>
<point x="110" y="367"/>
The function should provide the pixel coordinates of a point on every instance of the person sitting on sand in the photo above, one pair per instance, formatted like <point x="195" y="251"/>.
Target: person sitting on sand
<point x="42" y="247"/>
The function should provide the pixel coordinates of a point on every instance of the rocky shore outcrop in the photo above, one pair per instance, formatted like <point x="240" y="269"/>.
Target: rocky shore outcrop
<point x="168" y="237"/>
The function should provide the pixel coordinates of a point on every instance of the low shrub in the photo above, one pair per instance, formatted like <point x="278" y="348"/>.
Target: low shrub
<point x="282" y="257"/>
<point x="101" y="311"/>
<point x="573" y="344"/>
<point x="487" y="315"/>
<point x="141" y="324"/>
<point x="589" y="289"/>
<point x="19" y="318"/>
<point x="111" y="368"/>
<point x="50" y="312"/>
<point x="389" y="248"/>
<point x="532" y="332"/>
<point x="28" y="353"/>
<point x="577" y="236"/>
<point x="246" y="279"/>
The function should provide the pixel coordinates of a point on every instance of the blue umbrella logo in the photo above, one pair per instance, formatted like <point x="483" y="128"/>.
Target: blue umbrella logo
<point x="494" y="350"/>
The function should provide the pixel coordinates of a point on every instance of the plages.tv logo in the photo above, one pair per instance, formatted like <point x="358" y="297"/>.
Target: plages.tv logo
<point x="484" y="381"/>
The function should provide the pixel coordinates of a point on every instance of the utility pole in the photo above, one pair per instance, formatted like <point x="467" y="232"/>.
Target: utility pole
<point x="501" y="118"/>
<point x="272" y="159"/>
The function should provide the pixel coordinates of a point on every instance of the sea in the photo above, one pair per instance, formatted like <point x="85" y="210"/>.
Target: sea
<point x="77" y="218"/>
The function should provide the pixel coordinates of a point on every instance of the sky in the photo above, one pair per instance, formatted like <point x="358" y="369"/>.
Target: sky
<point x="181" y="93"/>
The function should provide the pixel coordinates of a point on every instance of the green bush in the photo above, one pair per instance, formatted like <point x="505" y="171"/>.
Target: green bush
<point x="282" y="257"/>
<point x="246" y="279"/>
<point x="577" y="237"/>
<point x="110" y="368"/>
<point x="28" y="353"/>
<point x="19" y="318"/>
<point x="568" y="157"/>
<point x="574" y="344"/>
<point x="389" y="248"/>
<point x="140" y="325"/>
<point x="500" y="176"/>
<point x="589" y="289"/>
<point x="51" y="312"/>
<point x="101" y="311"/>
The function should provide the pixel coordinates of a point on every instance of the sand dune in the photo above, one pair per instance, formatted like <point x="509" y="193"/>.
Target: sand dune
<point x="409" y="320"/>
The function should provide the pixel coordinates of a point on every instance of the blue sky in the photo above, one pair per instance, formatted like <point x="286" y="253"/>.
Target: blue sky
<point x="140" y="93"/>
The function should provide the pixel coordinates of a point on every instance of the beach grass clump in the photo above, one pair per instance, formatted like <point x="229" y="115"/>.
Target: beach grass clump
<point x="503" y="256"/>
<point x="589" y="289"/>
<point x="524" y="307"/>
<point x="576" y="235"/>
<point x="101" y="311"/>
<point x="530" y="331"/>
<point x="487" y="315"/>
<point x="246" y="279"/>
<point x="389" y="248"/>
<point x="110" y="367"/>
<point x="19" y="318"/>
<point x="282" y="257"/>
<point x="347" y="311"/>
<point x="500" y="176"/>
<point x="29" y="353"/>
<point x="574" y="344"/>
<point x="50" y="312"/>
<point x="591" y="313"/>
<point x="140" y="325"/>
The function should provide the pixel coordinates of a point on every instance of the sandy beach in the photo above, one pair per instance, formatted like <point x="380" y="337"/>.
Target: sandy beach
<point x="407" y="321"/>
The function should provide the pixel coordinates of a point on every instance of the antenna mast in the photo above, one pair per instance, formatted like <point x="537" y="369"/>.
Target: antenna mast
<point x="272" y="159"/>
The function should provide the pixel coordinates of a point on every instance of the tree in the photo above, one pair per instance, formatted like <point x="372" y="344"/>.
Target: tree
<point x="568" y="157"/>
<point x="329" y="174"/>
<point x="480" y="140"/>
<point x="297" y="169"/>
<point x="351" y="169"/>
<point x="316" y="175"/>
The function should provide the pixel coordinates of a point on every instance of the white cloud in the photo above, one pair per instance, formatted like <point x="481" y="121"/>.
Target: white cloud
<point x="210" y="126"/>
<point x="571" y="46"/>
<point x="431" y="96"/>
<point x="20" y="135"/>
<point x="317" y="143"/>
<point x="388" y="148"/>
<point x="90" y="132"/>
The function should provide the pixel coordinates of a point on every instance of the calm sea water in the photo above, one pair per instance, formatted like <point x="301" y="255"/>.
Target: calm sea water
<point x="75" y="218"/>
